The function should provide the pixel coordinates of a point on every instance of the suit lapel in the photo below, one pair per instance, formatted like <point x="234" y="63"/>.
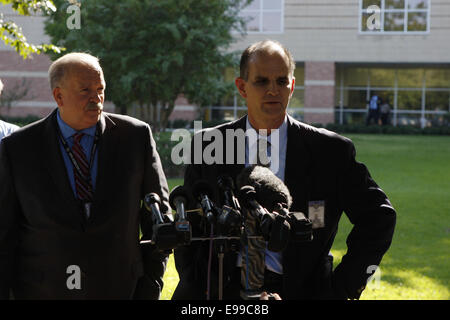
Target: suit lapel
<point x="53" y="161"/>
<point x="235" y="169"/>
<point x="298" y="163"/>
<point x="107" y="150"/>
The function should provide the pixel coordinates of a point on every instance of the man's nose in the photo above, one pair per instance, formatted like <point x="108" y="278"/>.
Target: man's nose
<point x="273" y="88"/>
<point x="96" y="97"/>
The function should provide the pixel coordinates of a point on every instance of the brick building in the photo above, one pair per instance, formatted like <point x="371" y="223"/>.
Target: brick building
<point x="346" y="51"/>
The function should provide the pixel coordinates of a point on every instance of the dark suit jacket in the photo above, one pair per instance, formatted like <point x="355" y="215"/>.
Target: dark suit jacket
<point x="320" y="165"/>
<point x="43" y="232"/>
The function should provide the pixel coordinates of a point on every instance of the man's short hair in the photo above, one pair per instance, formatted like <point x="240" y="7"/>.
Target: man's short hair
<point x="60" y="68"/>
<point x="259" y="47"/>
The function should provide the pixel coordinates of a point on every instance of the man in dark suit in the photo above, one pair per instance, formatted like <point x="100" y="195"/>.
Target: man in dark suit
<point x="70" y="197"/>
<point x="324" y="179"/>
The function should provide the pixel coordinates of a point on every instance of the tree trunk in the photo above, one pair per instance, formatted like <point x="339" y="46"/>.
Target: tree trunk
<point x="165" y="114"/>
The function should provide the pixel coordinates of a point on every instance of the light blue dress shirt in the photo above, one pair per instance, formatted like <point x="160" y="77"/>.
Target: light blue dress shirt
<point x="6" y="129"/>
<point x="272" y="259"/>
<point x="87" y="141"/>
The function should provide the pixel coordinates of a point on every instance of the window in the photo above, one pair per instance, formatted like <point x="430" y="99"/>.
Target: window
<point x="394" y="16"/>
<point x="417" y="96"/>
<point x="264" y="16"/>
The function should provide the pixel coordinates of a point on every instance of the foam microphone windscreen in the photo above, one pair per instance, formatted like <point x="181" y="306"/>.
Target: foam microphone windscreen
<point x="179" y="192"/>
<point x="270" y="190"/>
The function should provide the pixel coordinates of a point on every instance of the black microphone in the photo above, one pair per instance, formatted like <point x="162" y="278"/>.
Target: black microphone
<point x="274" y="227"/>
<point x="178" y="199"/>
<point x="202" y="191"/>
<point x="152" y="202"/>
<point x="230" y="219"/>
<point x="226" y="185"/>
<point x="270" y="190"/>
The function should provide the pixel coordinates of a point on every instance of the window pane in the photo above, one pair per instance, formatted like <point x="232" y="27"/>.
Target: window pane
<point x="299" y="74"/>
<point x="382" y="77"/>
<point x="254" y="5"/>
<point x="437" y="78"/>
<point x="410" y="78"/>
<point x="355" y="77"/>
<point x="252" y="20"/>
<point x="417" y="21"/>
<point x="394" y="4"/>
<point x="417" y="4"/>
<point x="271" y="22"/>
<point x="369" y="22"/>
<point x="393" y="21"/>
<point x="271" y="4"/>
<point x="355" y="99"/>
<point x="437" y="100"/>
<point x="368" y="3"/>
<point x="409" y="100"/>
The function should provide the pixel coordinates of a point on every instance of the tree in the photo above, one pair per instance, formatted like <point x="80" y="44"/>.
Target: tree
<point x="152" y="51"/>
<point x="11" y="33"/>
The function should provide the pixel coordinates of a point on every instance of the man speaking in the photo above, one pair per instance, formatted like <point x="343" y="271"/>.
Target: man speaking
<point x="324" y="180"/>
<point x="70" y="197"/>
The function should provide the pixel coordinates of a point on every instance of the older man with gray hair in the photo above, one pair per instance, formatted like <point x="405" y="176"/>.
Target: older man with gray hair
<point x="5" y="127"/>
<point x="71" y="196"/>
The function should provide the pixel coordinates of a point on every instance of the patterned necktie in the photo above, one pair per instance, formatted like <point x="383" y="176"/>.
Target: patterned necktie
<point x="83" y="185"/>
<point x="263" y="153"/>
<point x="253" y="264"/>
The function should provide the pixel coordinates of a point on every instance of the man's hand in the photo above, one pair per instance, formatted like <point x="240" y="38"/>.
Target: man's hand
<point x="269" y="296"/>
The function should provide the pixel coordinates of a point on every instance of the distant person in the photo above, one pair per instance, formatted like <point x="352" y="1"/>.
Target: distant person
<point x="71" y="195"/>
<point x="385" y="110"/>
<point x="373" y="110"/>
<point x="5" y="127"/>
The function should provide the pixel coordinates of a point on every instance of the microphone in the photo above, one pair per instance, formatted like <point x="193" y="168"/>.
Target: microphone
<point x="226" y="185"/>
<point x="270" y="190"/>
<point x="178" y="199"/>
<point x="152" y="202"/>
<point x="272" y="194"/>
<point x="274" y="227"/>
<point x="230" y="219"/>
<point x="203" y="192"/>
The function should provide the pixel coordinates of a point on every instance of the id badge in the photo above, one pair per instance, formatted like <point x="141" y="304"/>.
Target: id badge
<point x="316" y="213"/>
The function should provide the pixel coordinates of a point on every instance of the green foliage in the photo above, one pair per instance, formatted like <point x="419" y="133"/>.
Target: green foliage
<point x="11" y="33"/>
<point x="152" y="51"/>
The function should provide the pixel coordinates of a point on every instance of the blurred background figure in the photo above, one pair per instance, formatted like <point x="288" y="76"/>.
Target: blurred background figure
<point x="385" y="110"/>
<point x="373" y="110"/>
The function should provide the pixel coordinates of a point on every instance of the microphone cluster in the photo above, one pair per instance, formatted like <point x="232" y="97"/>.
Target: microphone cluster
<point x="259" y="195"/>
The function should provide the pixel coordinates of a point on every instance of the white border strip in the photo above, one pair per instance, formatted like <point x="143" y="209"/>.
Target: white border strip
<point x="26" y="74"/>
<point x="319" y="82"/>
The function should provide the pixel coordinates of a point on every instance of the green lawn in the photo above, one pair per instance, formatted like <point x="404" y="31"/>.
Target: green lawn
<point x="414" y="171"/>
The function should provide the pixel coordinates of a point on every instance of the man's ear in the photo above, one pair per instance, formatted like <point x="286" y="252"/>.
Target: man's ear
<point x="292" y="85"/>
<point x="57" y="95"/>
<point x="240" y="85"/>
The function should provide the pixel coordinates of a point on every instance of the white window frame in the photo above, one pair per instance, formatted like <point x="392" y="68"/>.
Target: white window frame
<point x="261" y="12"/>
<point x="405" y="11"/>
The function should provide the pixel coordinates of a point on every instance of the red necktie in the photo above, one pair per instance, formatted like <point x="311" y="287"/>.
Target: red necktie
<point x="83" y="185"/>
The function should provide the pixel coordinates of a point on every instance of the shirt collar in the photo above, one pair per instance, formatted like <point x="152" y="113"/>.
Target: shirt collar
<point x="282" y="130"/>
<point x="68" y="131"/>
